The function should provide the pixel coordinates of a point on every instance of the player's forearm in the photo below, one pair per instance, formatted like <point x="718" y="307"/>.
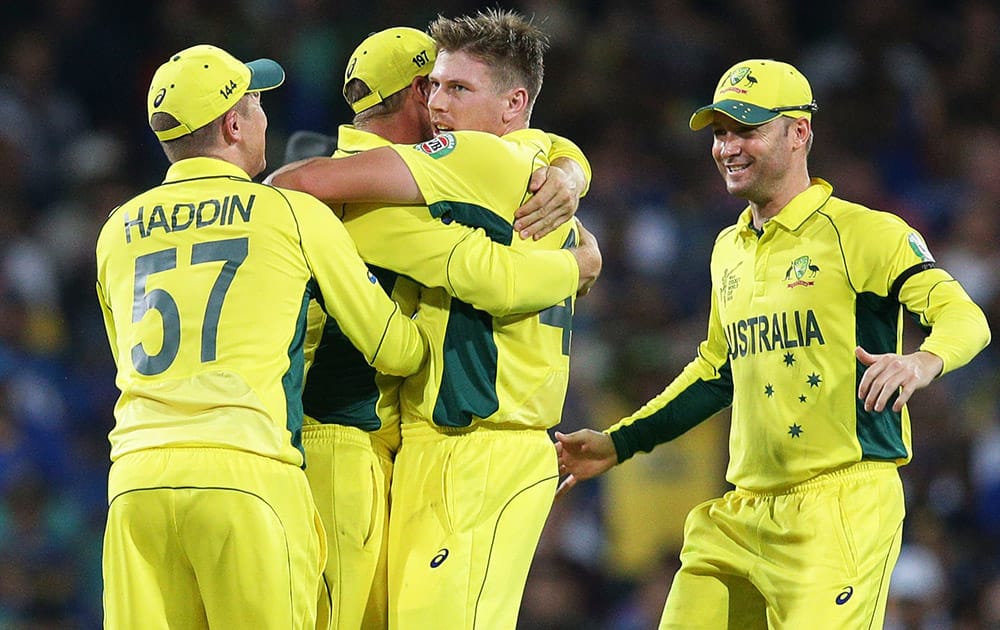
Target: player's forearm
<point x="403" y="348"/>
<point x="295" y="175"/>
<point x="556" y="190"/>
<point x="519" y="281"/>
<point x="958" y="335"/>
<point x="566" y="155"/>
<point x="379" y="175"/>
<point x="575" y="174"/>
<point x="698" y="393"/>
<point x="699" y="402"/>
<point x="588" y="259"/>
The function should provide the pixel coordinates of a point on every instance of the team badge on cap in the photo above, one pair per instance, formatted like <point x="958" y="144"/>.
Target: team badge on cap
<point x="757" y="91"/>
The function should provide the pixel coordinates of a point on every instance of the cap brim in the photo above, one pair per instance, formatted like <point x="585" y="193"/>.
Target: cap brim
<point x="743" y="113"/>
<point x="265" y="74"/>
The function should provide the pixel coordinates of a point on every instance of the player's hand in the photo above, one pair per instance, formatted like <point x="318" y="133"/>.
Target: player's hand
<point x="887" y="374"/>
<point x="556" y="196"/>
<point x="588" y="259"/>
<point x="582" y="455"/>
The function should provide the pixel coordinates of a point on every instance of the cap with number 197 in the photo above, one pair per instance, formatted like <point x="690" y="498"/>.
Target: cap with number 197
<point x="388" y="61"/>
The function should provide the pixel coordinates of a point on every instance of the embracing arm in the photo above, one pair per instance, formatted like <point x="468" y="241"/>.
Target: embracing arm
<point x="520" y="281"/>
<point x="556" y="189"/>
<point x="389" y="340"/>
<point x="376" y="175"/>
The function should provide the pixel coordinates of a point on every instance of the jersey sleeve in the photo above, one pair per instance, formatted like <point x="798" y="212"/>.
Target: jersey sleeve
<point x="464" y="261"/>
<point x="517" y="281"/>
<point x="958" y="327"/>
<point x="895" y="261"/>
<point x="565" y="148"/>
<point x="109" y="321"/>
<point x="351" y="295"/>
<point x="469" y="169"/>
<point x="703" y="388"/>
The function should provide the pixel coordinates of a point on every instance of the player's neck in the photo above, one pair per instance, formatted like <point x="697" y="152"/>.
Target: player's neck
<point x="765" y="209"/>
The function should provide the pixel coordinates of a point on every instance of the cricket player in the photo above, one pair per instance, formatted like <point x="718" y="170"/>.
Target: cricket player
<point x="352" y="430"/>
<point x="204" y="283"/>
<point x="805" y="343"/>
<point x="476" y="473"/>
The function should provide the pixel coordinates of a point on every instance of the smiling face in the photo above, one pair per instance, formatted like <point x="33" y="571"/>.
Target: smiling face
<point x="764" y="164"/>
<point x="463" y="95"/>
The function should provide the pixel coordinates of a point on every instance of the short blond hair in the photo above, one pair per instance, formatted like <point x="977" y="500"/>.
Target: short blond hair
<point x="507" y="42"/>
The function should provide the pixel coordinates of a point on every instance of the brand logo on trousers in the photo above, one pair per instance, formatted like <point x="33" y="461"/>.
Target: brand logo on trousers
<point x="439" y="559"/>
<point x="844" y="595"/>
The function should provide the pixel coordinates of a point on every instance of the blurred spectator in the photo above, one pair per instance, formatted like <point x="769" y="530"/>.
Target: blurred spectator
<point x="917" y="592"/>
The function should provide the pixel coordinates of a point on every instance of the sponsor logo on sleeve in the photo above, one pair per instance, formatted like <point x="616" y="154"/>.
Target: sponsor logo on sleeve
<point x="438" y="146"/>
<point x="919" y="247"/>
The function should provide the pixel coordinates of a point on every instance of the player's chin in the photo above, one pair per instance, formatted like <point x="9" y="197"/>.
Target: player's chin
<point x="737" y="187"/>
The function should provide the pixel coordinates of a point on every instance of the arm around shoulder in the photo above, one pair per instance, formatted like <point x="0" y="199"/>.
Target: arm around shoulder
<point x="565" y="154"/>
<point x="379" y="175"/>
<point x="556" y="189"/>
<point x="502" y="280"/>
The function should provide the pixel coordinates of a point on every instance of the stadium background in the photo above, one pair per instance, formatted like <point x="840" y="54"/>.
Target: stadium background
<point x="909" y="121"/>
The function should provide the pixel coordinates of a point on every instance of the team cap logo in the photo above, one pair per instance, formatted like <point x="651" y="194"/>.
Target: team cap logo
<point x="757" y="91"/>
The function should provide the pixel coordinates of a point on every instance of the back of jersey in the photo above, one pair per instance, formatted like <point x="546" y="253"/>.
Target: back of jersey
<point x="204" y="287"/>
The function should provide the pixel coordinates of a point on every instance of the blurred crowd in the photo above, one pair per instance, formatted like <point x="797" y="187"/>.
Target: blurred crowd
<point x="909" y="122"/>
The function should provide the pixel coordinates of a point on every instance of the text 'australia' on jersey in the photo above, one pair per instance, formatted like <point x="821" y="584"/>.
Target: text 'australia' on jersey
<point x="789" y="306"/>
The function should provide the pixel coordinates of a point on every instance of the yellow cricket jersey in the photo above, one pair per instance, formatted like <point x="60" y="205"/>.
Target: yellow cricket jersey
<point x="789" y="306"/>
<point x="204" y="283"/>
<point x="510" y="370"/>
<point x="410" y="249"/>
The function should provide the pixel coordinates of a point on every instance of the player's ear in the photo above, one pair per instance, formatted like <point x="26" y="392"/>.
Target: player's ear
<point x="802" y="129"/>
<point x="421" y="87"/>
<point x="516" y="104"/>
<point x="231" y="126"/>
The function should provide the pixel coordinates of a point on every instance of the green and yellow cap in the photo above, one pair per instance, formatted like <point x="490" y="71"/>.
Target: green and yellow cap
<point x="200" y="83"/>
<point x="757" y="91"/>
<point x="388" y="61"/>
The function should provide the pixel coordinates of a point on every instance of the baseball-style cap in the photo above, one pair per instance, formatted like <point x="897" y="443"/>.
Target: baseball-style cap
<point x="200" y="83"/>
<point x="388" y="61"/>
<point x="757" y="91"/>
